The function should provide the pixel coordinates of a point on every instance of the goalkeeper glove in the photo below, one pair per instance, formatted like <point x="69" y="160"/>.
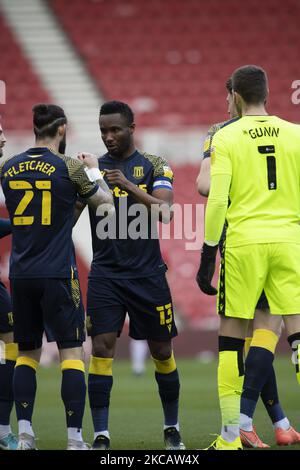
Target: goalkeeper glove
<point x="207" y="269"/>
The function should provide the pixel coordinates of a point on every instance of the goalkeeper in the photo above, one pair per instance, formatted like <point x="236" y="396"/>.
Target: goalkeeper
<point x="255" y="163"/>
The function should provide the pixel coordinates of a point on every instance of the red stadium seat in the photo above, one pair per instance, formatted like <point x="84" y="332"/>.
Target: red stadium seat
<point x="186" y="50"/>
<point x="23" y="88"/>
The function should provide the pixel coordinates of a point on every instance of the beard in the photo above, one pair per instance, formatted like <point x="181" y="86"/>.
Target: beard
<point x="62" y="145"/>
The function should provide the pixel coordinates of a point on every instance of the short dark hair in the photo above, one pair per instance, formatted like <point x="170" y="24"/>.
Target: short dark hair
<point x="251" y="83"/>
<point x="46" y="119"/>
<point x="229" y="85"/>
<point x="114" y="107"/>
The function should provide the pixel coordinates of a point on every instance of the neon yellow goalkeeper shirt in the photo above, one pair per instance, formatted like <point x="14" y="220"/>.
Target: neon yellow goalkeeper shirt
<point x="255" y="163"/>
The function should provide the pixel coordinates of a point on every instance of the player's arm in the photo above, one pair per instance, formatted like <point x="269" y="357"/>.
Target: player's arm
<point x="216" y="208"/>
<point x="90" y="184"/>
<point x="79" y="207"/>
<point x="203" y="178"/>
<point x="215" y="215"/>
<point x="160" y="200"/>
<point x="5" y="227"/>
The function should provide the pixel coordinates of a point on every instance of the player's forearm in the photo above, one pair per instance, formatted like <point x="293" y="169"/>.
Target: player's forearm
<point x="157" y="206"/>
<point x="216" y="208"/>
<point x="102" y="196"/>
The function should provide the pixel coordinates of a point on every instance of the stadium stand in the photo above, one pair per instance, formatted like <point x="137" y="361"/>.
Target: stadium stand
<point x="178" y="71"/>
<point x="172" y="77"/>
<point x="178" y="68"/>
<point x="23" y="88"/>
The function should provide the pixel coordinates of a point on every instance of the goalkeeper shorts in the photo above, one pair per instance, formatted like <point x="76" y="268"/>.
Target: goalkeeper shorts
<point x="246" y="271"/>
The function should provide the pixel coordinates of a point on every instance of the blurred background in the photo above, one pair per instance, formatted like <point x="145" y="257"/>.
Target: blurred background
<point x="169" y="60"/>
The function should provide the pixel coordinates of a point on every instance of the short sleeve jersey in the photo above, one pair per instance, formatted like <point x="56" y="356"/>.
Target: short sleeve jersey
<point x="262" y="156"/>
<point x="41" y="188"/>
<point x="122" y="254"/>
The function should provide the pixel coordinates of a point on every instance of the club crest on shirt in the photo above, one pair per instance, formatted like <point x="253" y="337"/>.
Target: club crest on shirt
<point x="138" y="172"/>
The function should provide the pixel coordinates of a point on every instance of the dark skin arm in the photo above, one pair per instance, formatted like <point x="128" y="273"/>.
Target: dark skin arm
<point x="79" y="206"/>
<point x="158" y="200"/>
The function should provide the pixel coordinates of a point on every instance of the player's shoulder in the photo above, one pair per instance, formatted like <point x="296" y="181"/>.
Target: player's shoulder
<point x="73" y="166"/>
<point x="228" y="130"/>
<point x="220" y="125"/>
<point x="160" y="165"/>
<point x="155" y="160"/>
<point x="3" y="164"/>
<point x="10" y="161"/>
<point x="69" y="161"/>
<point x="292" y="126"/>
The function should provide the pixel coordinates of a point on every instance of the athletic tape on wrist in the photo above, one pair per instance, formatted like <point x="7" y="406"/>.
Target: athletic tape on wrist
<point x="93" y="174"/>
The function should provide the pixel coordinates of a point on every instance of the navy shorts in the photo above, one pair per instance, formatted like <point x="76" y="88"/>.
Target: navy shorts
<point x="6" y="316"/>
<point x="50" y="305"/>
<point x="147" y="301"/>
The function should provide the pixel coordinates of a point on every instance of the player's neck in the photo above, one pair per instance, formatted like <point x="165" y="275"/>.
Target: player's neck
<point x="126" y="154"/>
<point x="49" y="143"/>
<point x="254" y="110"/>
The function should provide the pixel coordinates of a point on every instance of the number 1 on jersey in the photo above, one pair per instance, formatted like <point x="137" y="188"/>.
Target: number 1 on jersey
<point x="271" y="164"/>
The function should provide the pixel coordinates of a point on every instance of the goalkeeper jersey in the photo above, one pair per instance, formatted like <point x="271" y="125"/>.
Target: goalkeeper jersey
<point x="261" y="155"/>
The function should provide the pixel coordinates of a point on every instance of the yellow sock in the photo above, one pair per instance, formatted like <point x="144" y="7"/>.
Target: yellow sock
<point x="266" y="339"/>
<point x="101" y="365"/>
<point x="230" y="382"/>
<point x="27" y="361"/>
<point x="165" y="367"/>
<point x="76" y="364"/>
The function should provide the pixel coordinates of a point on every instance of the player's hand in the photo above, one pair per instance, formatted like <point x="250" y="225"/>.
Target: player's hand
<point x="117" y="178"/>
<point x="207" y="269"/>
<point x="88" y="159"/>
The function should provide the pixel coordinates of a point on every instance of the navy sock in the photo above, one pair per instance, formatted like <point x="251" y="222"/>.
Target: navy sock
<point x="258" y="366"/>
<point x="6" y="391"/>
<point x="99" y="387"/>
<point x="73" y="390"/>
<point x="24" y="387"/>
<point x="269" y="396"/>
<point x="168" y="387"/>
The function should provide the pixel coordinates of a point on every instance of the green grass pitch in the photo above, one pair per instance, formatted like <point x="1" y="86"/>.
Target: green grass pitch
<point x="136" y="415"/>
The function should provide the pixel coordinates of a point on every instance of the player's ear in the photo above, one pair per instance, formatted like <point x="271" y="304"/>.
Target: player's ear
<point x="132" y="128"/>
<point x="62" y="130"/>
<point x="237" y="99"/>
<point x="268" y="91"/>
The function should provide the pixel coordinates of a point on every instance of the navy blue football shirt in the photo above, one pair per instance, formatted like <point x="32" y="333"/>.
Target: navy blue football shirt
<point x="40" y="189"/>
<point x="122" y="257"/>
